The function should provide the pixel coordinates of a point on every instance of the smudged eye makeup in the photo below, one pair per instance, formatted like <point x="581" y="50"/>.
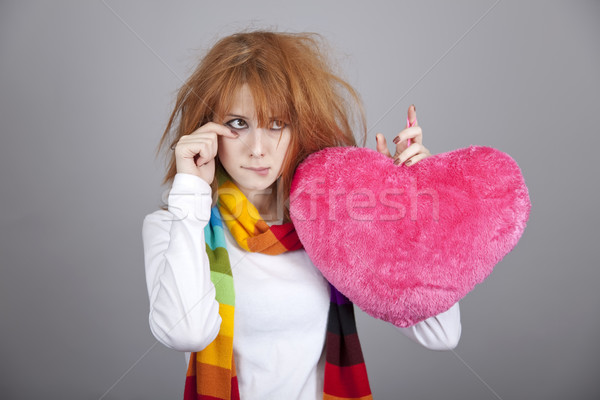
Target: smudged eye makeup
<point x="237" y="123"/>
<point x="240" y="123"/>
<point x="277" y="125"/>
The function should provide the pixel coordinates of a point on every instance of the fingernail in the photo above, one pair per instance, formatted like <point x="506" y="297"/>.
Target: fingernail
<point x="408" y="162"/>
<point x="415" y="107"/>
<point x="396" y="139"/>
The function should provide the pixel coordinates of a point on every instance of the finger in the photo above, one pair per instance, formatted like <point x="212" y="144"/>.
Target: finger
<point x="411" y="121"/>
<point x="411" y="151"/>
<point x="382" y="145"/>
<point x="412" y="115"/>
<point x="415" y="134"/>
<point x="189" y="143"/>
<point x="205" y="152"/>
<point x="194" y="147"/>
<point x="216" y="128"/>
<point x="415" y="159"/>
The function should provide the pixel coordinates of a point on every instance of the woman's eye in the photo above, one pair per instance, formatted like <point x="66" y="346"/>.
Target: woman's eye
<point x="277" y="125"/>
<point x="237" y="123"/>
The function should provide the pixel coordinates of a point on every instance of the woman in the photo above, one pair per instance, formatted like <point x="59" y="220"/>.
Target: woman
<point x="257" y="105"/>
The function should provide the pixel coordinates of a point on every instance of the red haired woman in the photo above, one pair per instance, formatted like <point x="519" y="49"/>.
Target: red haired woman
<point x="224" y="249"/>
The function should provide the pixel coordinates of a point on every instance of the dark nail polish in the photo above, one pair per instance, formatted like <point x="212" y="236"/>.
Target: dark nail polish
<point x="396" y="139"/>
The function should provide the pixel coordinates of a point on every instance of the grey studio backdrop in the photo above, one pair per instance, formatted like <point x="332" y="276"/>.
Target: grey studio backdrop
<point x="86" y="89"/>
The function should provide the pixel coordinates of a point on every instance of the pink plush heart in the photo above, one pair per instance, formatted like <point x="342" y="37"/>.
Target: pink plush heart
<point x="406" y="243"/>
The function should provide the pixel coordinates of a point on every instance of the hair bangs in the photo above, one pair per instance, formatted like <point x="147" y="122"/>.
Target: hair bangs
<point x="272" y="98"/>
<point x="225" y="93"/>
<point x="265" y="75"/>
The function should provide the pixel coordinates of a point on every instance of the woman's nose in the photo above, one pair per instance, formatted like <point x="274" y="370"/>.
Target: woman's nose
<point x="256" y="142"/>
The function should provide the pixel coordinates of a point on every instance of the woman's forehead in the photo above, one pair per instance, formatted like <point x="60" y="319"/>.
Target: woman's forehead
<point x="242" y="102"/>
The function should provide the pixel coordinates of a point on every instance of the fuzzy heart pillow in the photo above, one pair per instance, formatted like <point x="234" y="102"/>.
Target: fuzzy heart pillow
<point x="406" y="243"/>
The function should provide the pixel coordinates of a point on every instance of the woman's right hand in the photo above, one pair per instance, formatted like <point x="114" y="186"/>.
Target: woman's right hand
<point x="195" y="153"/>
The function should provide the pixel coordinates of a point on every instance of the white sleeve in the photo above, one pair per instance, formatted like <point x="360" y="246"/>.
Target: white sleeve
<point x="441" y="332"/>
<point x="184" y="314"/>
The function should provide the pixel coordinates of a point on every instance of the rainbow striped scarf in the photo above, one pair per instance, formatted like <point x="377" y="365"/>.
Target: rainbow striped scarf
<point x="211" y="373"/>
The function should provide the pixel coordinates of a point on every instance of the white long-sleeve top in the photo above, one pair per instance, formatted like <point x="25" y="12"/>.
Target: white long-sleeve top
<point x="281" y="305"/>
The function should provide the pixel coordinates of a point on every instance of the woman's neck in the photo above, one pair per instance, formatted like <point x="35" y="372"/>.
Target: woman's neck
<point x="266" y="204"/>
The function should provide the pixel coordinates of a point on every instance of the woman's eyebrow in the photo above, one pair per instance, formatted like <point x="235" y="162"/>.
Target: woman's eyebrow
<point x="244" y="117"/>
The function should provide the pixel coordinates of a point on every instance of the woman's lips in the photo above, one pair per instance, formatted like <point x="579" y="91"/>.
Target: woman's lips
<point x="261" y="171"/>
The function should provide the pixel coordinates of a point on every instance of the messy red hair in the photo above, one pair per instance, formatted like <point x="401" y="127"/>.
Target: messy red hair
<point x="288" y="76"/>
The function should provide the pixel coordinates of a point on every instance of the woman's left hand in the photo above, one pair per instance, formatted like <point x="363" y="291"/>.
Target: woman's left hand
<point x="409" y="155"/>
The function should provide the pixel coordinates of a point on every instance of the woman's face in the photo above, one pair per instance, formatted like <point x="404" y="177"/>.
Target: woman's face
<point x="254" y="159"/>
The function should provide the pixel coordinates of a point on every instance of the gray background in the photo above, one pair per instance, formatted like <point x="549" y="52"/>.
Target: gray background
<point x="85" y="92"/>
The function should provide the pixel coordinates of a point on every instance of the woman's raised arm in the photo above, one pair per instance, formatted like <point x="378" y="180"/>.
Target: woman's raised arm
<point x="184" y="314"/>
